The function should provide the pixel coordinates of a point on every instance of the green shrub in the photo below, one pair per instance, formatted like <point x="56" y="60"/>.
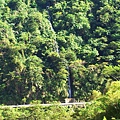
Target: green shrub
<point x="37" y="112"/>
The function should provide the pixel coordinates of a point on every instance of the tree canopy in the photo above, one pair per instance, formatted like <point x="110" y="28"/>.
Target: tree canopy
<point x="41" y="39"/>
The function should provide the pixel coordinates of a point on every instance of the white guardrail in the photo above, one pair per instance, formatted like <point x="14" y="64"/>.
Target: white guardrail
<point x="61" y="104"/>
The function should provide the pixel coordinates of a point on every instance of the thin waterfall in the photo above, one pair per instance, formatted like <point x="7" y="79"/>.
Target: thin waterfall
<point x="69" y="83"/>
<point x="50" y="22"/>
<point x="57" y="50"/>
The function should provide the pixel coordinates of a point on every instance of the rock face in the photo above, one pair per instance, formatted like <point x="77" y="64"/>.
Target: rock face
<point x="69" y="100"/>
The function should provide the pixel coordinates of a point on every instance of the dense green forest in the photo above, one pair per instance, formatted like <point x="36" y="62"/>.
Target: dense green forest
<point x="41" y="39"/>
<point x="104" y="107"/>
<point x="46" y="43"/>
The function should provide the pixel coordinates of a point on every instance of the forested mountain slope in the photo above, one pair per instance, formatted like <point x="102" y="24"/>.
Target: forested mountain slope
<point x="40" y="39"/>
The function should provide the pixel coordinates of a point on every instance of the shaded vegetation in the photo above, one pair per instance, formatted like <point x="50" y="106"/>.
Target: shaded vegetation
<point x="102" y="107"/>
<point x="87" y="34"/>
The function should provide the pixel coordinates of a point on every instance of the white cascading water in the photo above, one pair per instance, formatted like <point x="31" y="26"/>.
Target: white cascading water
<point x="55" y="42"/>
<point x="57" y="50"/>
<point x="69" y="84"/>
